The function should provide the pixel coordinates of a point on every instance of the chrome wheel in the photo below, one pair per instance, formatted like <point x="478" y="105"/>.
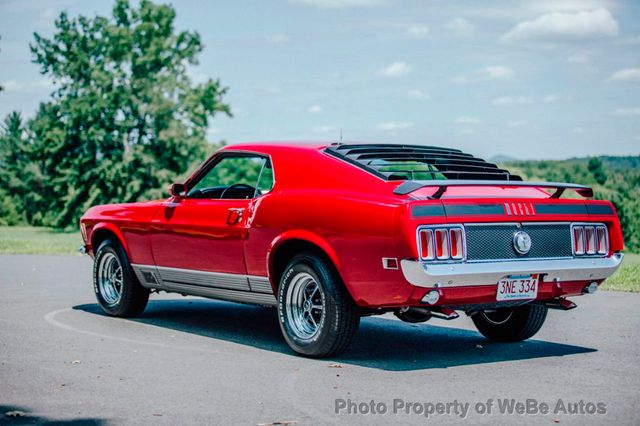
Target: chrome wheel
<point x="497" y="317"/>
<point x="110" y="278"/>
<point x="305" y="306"/>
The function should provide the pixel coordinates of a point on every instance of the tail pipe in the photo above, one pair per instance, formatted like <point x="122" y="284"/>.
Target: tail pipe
<point x="561" y="304"/>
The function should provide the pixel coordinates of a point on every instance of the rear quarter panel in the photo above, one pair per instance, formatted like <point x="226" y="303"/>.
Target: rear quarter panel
<point x="355" y="231"/>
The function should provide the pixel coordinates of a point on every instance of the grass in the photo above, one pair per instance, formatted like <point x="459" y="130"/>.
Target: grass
<point x="30" y="240"/>
<point x="627" y="278"/>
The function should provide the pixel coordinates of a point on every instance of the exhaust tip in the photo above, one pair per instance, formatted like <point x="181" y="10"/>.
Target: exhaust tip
<point x="591" y="288"/>
<point x="432" y="297"/>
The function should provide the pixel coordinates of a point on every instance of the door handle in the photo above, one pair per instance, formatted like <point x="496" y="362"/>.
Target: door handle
<point x="235" y="215"/>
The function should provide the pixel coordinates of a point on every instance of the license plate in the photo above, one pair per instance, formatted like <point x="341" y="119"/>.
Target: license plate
<point x="517" y="287"/>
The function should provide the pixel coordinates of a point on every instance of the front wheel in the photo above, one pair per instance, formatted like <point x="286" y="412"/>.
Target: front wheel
<point x="117" y="288"/>
<point x="511" y="324"/>
<point x="317" y="316"/>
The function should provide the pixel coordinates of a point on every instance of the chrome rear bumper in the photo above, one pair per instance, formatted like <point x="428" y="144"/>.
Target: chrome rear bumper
<point x="424" y="274"/>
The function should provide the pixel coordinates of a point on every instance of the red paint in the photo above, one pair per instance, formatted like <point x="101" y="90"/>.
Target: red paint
<point x="351" y="215"/>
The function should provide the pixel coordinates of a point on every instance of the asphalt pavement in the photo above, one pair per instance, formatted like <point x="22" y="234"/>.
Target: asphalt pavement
<point x="198" y="361"/>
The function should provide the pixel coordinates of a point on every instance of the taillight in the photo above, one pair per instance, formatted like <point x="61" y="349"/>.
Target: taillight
<point x="578" y="240"/>
<point x="427" y="250"/>
<point x="602" y="240"/>
<point x="590" y="239"/>
<point x="441" y="243"/>
<point x="455" y="238"/>
<point x="442" y="248"/>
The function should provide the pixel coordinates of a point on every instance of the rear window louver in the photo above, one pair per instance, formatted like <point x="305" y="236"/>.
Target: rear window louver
<point x="416" y="162"/>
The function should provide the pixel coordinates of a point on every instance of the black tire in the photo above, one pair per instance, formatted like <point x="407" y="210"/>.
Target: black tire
<point x="129" y="298"/>
<point x="511" y="324"/>
<point x="335" y="324"/>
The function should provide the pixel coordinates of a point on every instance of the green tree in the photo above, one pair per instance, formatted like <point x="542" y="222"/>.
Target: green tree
<point x="125" y="118"/>
<point x="597" y="170"/>
<point x="13" y="160"/>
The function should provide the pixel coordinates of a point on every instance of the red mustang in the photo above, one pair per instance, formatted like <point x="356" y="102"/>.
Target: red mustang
<point x="331" y="232"/>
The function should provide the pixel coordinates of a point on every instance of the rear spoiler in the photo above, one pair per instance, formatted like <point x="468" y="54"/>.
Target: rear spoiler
<point x="409" y="186"/>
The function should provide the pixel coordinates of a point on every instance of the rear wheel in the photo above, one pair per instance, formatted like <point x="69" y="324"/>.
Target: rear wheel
<point x="117" y="288"/>
<point x="511" y="324"/>
<point x="317" y="315"/>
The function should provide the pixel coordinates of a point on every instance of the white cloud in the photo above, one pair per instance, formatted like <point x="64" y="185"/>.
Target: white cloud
<point x="271" y="90"/>
<point x="517" y="123"/>
<point x="565" y="25"/>
<point x="626" y="75"/>
<point x="493" y="72"/>
<point x="338" y="4"/>
<point x="396" y="69"/>
<point x="569" y="5"/>
<point x="551" y="98"/>
<point x="394" y="125"/>
<point x="418" y="31"/>
<point x="627" y="112"/>
<point x="578" y="130"/>
<point x="32" y="86"/>
<point x="324" y="129"/>
<point x="468" y="120"/>
<point x="631" y="40"/>
<point x="417" y="94"/>
<point x="460" y="26"/>
<point x="278" y="38"/>
<point x="460" y="79"/>
<point x="496" y="71"/>
<point x="315" y="109"/>
<point x="512" y="100"/>
<point x="579" y="58"/>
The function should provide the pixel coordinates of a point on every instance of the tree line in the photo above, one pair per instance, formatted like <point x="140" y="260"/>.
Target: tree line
<point x="616" y="179"/>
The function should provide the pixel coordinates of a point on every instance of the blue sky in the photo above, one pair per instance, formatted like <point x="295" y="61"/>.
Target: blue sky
<point x="528" y="79"/>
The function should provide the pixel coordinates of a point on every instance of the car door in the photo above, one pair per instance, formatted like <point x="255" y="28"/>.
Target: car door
<point x="204" y="230"/>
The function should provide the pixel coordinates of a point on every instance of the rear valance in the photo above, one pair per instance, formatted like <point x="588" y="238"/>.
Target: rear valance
<point x="410" y="186"/>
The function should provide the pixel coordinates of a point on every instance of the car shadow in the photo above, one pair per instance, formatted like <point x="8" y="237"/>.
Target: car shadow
<point x="14" y="415"/>
<point x="380" y="343"/>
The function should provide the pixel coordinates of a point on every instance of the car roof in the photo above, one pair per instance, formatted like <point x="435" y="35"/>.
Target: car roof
<point x="267" y="146"/>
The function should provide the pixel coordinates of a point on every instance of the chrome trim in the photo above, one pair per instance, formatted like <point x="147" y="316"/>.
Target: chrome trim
<point x="140" y="271"/>
<point x="217" y="285"/>
<point x="260" y="284"/>
<point x="447" y="227"/>
<point x="228" y="151"/>
<point x="224" y="294"/>
<point x="204" y="278"/>
<point x="526" y="239"/>
<point x="584" y="236"/>
<point x="425" y="274"/>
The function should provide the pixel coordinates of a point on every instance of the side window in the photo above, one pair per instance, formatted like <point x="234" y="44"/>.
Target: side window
<point x="233" y="177"/>
<point x="265" y="182"/>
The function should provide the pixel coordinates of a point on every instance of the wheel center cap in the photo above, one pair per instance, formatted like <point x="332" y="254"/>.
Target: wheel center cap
<point x="307" y="305"/>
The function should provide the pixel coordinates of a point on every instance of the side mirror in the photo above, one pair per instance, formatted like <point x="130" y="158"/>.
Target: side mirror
<point x="178" y="190"/>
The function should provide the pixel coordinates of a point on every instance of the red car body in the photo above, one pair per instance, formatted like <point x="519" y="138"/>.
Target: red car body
<point x="365" y="225"/>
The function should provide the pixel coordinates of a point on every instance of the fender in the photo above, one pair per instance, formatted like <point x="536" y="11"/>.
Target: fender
<point x="304" y="235"/>
<point x="112" y="228"/>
